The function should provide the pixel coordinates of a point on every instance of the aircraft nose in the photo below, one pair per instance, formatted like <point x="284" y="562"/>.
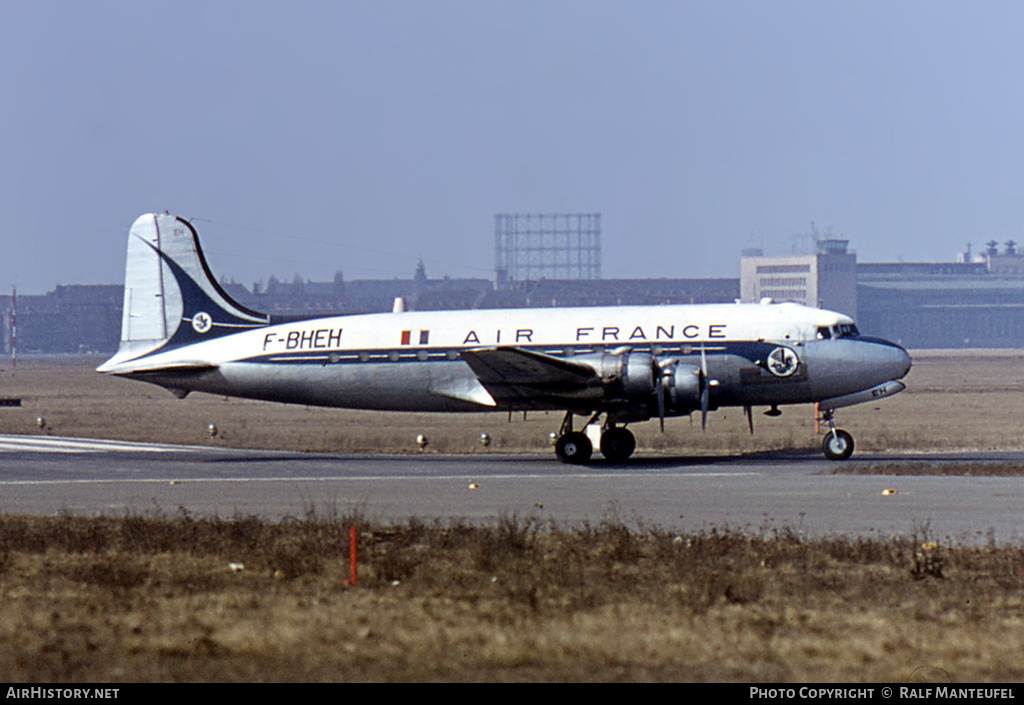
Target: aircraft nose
<point x="890" y="360"/>
<point x="855" y="364"/>
<point x="903" y="362"/>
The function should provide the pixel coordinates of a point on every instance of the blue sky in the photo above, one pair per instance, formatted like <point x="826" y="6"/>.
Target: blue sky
<point x="315" y="136"/>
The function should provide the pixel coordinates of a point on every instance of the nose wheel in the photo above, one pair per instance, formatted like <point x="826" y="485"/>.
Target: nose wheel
<point x="837" y="444"/>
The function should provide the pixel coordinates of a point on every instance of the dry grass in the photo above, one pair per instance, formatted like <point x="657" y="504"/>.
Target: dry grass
<point x="154" y="598"/>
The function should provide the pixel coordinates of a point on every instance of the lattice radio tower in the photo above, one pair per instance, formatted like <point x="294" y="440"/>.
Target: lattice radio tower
<point x="533" y="246"/>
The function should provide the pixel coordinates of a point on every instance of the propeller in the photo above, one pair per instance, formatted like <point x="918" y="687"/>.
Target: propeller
<point x="703" y="385"/>
<point x="662" y="391"/>
<point x="665" y="372"/>
<point x="749" y="413"/>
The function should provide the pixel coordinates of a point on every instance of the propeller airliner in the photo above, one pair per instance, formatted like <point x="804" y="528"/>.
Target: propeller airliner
<point x="614" y="366"/>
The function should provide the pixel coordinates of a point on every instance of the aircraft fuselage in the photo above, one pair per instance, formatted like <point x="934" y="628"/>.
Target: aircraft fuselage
<point x="413" y="361"/>
<point x="181" y="330"/>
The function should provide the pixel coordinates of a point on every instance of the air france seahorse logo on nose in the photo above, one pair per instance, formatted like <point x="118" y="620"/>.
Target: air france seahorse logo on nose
<point x="782" y="362"/>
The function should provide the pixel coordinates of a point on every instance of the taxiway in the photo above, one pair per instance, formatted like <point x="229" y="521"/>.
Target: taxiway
<point x="762" y="492"/>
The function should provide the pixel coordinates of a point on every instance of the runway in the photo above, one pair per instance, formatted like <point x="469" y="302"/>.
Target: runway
<point x="760" y="493"/>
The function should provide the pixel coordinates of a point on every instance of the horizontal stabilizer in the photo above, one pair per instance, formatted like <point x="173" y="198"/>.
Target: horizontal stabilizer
<point x="146" y="366"/>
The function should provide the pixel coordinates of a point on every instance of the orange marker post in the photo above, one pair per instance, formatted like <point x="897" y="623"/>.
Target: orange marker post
<point x="352" y="554"/>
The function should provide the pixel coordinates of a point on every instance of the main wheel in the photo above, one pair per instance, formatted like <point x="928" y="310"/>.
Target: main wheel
<point x="838" y="445"/>
<point x="617" y="444"/>
<point x="574" y="447"/>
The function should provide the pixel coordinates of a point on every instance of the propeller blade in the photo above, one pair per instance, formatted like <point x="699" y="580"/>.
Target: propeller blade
<point x="661" y="404"/>
<point x="749" y="413"/>
<point x="664" y="370"/>
<point x="704" y="402"/>
<point x="704" y="393"/>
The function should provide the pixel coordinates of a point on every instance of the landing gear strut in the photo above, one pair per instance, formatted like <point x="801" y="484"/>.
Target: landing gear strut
<point x="572" y="446"/>
<point x="617" y="442"/>
<point x="838" y="444"/>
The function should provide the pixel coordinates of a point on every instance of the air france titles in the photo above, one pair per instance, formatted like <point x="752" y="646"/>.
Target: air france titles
<point x="608" y="334"/>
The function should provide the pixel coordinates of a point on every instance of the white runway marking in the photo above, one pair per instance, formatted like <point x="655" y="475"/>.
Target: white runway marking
<point x="353" y="478"/>
<point x="57" y="444"/>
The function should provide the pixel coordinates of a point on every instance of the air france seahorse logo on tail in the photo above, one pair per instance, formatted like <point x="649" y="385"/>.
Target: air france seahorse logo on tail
<point x="202" y="322"/>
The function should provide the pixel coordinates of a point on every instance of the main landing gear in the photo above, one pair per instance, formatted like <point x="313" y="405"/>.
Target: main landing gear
<point x="618" y="443"/>
<point x="575" y="447"/>
<point x="837" y="444"/>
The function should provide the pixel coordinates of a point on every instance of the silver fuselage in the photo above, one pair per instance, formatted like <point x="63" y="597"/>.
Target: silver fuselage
<point x="413" y="361"/>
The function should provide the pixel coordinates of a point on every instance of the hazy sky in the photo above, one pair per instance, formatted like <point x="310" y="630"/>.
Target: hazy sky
<point x="315" y="136"/>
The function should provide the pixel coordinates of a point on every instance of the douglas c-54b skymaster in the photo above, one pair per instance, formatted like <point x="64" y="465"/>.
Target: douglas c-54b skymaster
<point x="613" y="365"/>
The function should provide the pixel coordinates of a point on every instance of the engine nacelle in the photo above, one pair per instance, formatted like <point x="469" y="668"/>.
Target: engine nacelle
<point x="629" y="375"/>
<point x="684" y="387"/>
<point x="639" y="377"/>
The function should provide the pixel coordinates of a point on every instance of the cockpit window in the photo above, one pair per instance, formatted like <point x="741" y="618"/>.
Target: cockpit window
<point x="824" y="333"/>
<point x="846" y="330"/>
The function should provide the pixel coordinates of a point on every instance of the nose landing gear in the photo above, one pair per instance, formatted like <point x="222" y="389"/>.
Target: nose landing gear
<point x="837" y="444"/>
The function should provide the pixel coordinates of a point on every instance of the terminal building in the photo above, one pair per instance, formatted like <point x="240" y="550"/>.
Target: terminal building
<point x="826" y="278"/>
<point x="972" y="302"/>
<point x="926" y="305"/>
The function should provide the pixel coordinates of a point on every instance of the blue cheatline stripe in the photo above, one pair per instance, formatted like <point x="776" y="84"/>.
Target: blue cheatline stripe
<point x="751" y="350"/>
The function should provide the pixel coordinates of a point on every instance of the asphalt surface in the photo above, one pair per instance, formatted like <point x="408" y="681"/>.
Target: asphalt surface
<point x="761" y="493"/>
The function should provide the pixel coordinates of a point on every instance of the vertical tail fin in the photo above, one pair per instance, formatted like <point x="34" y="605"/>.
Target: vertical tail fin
<point x="171" y="297"/>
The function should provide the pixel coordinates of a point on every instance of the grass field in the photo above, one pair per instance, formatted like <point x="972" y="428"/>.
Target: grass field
<point x="184" y="598"/>
<point x="143" y="599"/>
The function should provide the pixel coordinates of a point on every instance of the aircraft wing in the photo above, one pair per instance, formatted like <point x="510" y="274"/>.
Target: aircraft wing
<point x="516" y="374"/>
